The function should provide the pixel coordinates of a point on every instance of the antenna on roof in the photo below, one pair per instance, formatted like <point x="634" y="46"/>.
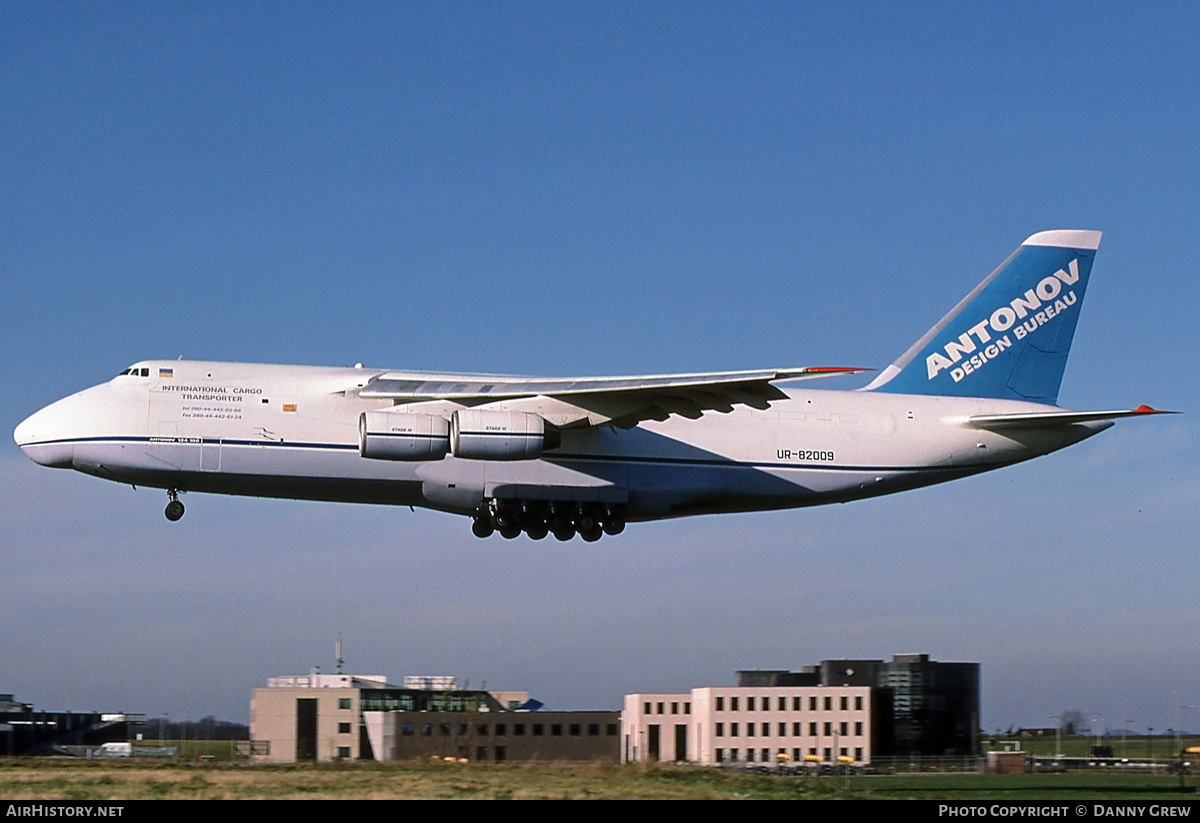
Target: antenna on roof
<point x="337" y="653"/>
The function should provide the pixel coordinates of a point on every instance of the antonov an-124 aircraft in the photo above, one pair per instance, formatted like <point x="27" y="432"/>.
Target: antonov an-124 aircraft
<point x="584" y="456"/>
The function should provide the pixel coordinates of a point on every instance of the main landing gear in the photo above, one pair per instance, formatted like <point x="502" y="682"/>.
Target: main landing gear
<point x="537" y="519"/>
<point x="174" y="509"/>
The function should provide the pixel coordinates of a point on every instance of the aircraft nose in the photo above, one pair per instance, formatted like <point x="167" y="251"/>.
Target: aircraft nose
<point x="39" y="437"/>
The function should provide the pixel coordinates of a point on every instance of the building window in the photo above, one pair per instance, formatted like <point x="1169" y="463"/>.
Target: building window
<point x="462" y="729"/>
<point x="796" y="704"/>
<point x="687" y="708"/>
<point x="749" y="704"/>
<point x="427" y="730"/>
<point x="797" y="729"/>
<point x="660" y="708"/>
<point x="407" y="731"/>
<point x="501" y="731"/>
<point x="827" y="754"/>
<point x="674" y="708"/>
<point x="783" y="704"/>
<point x="733" y="704"/>
<point x="720" y="704"/>
<point x="519" y="729"/>
<point x="481" y="730"/>
<point x="828" y="704"/>
<point x="812" y="729"/>
<point x="445" y="729"/>
<point x="749" y="730"/>
<point x="766" y="731"/>
<point x="783" y="729"/>
<point x="343" y="751"/>
<point x="343" y="728"/>
<point x="720" y="730"/>
<point x="828" y="729"/>
<point x="843" y="728"/>
<point x="481" y="753"/>
<point x="720" y="753"/>
<point x="844" y="703"/>
<point x="576" y="730"/>
<point x="749" y="755"/>
<point x="858" y="728"/>
<point x="733" y="729"/>
<point x="611" y="730"/>
<point x="593" y="729"/>
<point x="766" y="755"/>
<point x="646" y="707"/>
<point x="812" y="704"/>
<point x="733" y="755"/>
<point x="539" y="730"/>
<point x="858" y="703"/>
<point x="556" y="729"/>
<point x="858" y="754"/>
<point x="343" y="702"/>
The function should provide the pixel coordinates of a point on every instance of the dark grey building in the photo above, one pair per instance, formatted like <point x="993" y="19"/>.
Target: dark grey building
<point x="26" y="731"/>
<point x="497" y="737"/>
<point x="931" y="708"/>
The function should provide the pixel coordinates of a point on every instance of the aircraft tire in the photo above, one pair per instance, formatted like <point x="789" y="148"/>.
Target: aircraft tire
<point x="536" y="531"/>
<point x="174" y="510"/>
<point x="482" y="527"/>
<point x="564" y="534"/>
<point x="510" y="530"/>
<point x="613" y="525"/>
<point x="591" y="535"/>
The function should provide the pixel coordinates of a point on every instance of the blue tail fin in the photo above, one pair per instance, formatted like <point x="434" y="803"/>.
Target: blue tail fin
<point x="1009" y="338"/>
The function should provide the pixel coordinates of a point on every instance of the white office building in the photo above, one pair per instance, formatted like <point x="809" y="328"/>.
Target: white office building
<point x="749" y="725"/>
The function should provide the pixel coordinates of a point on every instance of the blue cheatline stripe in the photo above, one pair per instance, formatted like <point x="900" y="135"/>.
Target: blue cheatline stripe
<point x="553" y="457"/>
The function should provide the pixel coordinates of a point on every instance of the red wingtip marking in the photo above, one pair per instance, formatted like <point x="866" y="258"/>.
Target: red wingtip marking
<point x="1144" y="409"/>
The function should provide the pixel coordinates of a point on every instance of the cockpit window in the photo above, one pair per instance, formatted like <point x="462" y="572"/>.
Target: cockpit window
<point x="133" y="371"/>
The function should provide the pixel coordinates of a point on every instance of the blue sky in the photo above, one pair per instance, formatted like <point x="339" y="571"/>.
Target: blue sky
<point x="597" y="189"/>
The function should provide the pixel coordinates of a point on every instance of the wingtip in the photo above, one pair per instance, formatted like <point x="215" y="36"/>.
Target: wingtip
<point x="1144" y="409"/>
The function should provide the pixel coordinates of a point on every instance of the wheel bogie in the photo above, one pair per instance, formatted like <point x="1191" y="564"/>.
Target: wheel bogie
<point x="537" y="519"/>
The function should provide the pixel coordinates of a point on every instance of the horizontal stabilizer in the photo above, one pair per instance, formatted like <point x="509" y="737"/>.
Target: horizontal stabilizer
<point x="1038" y="420"/>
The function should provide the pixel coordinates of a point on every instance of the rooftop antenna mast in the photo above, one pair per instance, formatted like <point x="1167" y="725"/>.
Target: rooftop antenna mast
<point x="337" y="653"/>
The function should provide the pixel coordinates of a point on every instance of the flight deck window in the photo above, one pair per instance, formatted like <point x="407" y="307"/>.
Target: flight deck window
<point x="145" y="372"/>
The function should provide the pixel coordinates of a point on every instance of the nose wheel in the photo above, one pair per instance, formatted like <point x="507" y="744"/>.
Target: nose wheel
<point x="174" y="509"/>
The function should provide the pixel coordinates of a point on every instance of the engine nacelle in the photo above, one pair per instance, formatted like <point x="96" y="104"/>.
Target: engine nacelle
<point x="399" y="436"/>
<point x="486" y="434"/>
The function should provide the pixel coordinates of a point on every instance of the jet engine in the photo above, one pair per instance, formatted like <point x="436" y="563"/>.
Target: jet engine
<point x="486" y="434"/>
<point x="399" y="436"/>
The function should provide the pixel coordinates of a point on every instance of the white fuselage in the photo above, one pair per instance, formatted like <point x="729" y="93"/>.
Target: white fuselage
<point x="292" y="432"/>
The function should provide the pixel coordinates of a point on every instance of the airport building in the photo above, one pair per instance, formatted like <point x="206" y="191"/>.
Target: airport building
<point x="26" y="731"/>
<point x="338" y="716"/>
<point x="854" y="710"/>
<point x="839" y="710"/>
<point x="755" y="724"/>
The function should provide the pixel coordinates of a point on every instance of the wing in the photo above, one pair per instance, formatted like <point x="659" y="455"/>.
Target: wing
<point x="595" y="401"/>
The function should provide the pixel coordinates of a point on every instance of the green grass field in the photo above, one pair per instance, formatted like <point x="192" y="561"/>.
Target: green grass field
<point x="53" y="779"/>
<point x="1139" y="747"/>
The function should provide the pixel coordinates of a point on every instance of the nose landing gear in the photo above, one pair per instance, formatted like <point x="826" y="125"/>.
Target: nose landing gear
<point x="174" y="509"/>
